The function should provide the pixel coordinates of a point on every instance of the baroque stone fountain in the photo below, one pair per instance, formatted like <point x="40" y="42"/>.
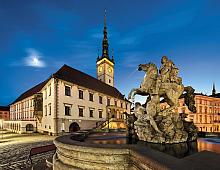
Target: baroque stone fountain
<point x="154" y="124"/>
<point x="154" y="127"/>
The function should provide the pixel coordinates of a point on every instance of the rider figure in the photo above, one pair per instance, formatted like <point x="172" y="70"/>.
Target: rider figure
<point x="165" y="69"/>
<point x="168" y="73"/>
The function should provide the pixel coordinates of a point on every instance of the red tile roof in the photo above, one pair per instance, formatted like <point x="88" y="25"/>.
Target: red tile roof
<point x="31" y="91"/>
<point x="77" y="77"/>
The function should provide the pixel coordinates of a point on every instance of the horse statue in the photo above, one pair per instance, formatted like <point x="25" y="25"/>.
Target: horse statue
<point x="153" y="84"/>
<point x="165" y="84"/>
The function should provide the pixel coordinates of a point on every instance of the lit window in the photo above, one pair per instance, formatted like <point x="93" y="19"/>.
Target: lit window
<point x="100" y="113"/>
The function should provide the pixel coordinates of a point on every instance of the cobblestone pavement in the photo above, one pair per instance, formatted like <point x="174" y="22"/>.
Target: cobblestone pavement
<point x="15" y="148"/>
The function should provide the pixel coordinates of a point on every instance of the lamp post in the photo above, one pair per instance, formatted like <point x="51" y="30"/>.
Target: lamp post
<point x="108" y="121"/>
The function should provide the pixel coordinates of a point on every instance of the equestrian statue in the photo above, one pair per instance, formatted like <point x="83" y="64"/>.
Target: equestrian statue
<point x="158" y="125"/>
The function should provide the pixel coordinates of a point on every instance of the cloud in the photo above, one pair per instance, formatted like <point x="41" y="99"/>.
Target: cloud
<point x="34" y="59"/>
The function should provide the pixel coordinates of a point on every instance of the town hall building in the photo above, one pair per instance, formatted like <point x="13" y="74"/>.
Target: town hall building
<point x="70" y="100"/>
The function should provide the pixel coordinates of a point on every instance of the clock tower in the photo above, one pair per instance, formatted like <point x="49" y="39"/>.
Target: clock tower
<point x="105" y="64"/>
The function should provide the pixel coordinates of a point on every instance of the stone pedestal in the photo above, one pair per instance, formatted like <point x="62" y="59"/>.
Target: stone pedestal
<point x="173" y="127"/>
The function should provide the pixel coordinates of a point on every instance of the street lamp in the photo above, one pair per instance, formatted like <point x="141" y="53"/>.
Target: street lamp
<point x="108" y="121"/>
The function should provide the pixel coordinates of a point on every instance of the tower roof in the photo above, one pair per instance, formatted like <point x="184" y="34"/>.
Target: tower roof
<point x="213" y="89"/>
<point x="105" y="45"/>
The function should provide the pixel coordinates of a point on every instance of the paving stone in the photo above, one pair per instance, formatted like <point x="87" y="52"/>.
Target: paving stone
<point x="14" y="152"/>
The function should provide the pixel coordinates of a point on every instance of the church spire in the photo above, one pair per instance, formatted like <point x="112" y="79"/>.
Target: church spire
<point x="105" y="63"/>
<point x="105" y="53"/>
<point x="213" y="89"/>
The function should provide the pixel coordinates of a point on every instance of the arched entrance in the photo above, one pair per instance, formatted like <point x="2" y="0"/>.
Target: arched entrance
<point x="74" y="127"/>
<point x="29" y="127"/>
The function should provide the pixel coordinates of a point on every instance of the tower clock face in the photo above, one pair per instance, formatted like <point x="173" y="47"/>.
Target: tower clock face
<point x="100" y="69"/>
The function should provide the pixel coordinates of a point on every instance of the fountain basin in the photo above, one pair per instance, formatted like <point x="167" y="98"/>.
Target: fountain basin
<point x="92" y="153"/>
<point x="84" y="155"/>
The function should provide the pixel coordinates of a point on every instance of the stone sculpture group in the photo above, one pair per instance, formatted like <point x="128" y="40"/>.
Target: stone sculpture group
<point x="158" y="125"/>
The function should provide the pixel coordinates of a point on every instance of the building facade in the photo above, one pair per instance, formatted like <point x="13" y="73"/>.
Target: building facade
<point x="70" y="100"/>
<point x="4" y="115"/>
<point x="207" y="116"/>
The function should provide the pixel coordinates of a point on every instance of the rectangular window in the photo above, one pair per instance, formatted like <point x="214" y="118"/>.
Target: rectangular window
<point x="45" y="108"/>
<point x="200" y="109"/>
<point x="91" y="97"/>
<point x="49" y="109"/>
<point x="80" y="112"/>
<point x="205" y="109"/>
<point x="115" y="103"/>
<point x="200" y="118"/>
<point x="108" y="102"/>
<point x="80" y="94"/>
<point x="67" y="110"/>
<point x="49" y="90"/>
<point x="45" y="94"/>
<point x="126" y="105"/>
<point x="100" y="99"/>
<point x="100" y="113"/>
<point x="67" y="91"/>
<point x="91" y="111"/>
<point x="121" y="105"/>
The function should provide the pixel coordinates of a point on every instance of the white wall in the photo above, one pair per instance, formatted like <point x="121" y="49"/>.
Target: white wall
<point x="48" y="122"/>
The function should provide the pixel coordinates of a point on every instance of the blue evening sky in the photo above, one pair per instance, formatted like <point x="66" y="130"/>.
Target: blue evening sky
<point x="38" y="37"/>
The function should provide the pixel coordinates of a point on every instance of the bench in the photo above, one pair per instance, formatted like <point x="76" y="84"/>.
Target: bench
<point x="39" y="150"/>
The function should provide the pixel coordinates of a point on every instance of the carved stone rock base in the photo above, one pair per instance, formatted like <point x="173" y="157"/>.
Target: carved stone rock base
<point x="174" y="129"/>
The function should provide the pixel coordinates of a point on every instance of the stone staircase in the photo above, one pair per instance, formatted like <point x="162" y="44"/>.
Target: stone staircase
<point x="112" y="123"/>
